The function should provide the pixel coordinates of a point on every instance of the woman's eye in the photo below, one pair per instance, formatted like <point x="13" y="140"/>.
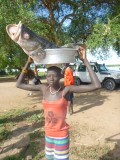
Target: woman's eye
<point x="48" y="76"/>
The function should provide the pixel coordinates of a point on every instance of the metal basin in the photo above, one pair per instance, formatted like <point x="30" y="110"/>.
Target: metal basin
<point x="56" y="56"/>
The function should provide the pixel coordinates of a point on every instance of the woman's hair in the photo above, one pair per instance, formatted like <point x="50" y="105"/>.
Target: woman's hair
<point x="56" y="69"/>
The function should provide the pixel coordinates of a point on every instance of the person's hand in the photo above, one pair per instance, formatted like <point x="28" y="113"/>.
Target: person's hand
<point x="30" y="60"/>
<point x="82" y="52"/>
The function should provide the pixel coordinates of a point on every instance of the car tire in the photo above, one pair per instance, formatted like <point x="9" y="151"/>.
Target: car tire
<point x="109" y="84"/>
<point x="77" y="81"/>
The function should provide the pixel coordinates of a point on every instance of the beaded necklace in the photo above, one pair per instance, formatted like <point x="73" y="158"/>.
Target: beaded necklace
<point x="52" y="92"/>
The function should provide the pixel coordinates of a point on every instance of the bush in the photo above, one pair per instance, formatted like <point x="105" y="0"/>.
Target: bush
<point x="2" y="72"/>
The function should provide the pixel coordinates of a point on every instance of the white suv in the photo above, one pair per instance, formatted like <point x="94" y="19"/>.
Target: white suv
<point x="108" y="78"/>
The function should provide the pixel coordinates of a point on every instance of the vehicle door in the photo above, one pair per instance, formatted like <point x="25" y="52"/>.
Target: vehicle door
<point x="81" y="72"/>
<point x="95" y="69"/>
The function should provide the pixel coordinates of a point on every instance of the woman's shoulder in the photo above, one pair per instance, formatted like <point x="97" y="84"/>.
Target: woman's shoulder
<point x="65" y="90"/>
<point x="44" y="87"/>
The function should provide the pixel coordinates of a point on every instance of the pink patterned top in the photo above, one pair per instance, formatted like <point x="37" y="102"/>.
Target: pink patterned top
<point x="55" y="114"/>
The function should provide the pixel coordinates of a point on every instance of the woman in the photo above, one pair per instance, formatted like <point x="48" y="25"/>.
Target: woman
<point x="55" y="106"/>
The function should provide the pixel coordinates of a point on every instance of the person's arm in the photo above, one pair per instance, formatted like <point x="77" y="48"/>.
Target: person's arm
<point x="35" y="71"/>
<point x="20" y="82"/>
<point x="95" y="83"/>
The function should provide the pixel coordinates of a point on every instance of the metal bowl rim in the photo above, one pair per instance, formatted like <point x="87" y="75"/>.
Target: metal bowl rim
<point x="62" y="49"/>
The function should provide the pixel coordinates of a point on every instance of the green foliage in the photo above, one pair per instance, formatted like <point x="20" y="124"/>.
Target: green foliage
<point x="34" y="118"/>
<point x="105" y="34"/>
<point x="14" y="157"/>
<point x="3" y="132"/>
<point x="85" y="15"/>
<point x="14" y="118"/>
<point x="11" y="12"/>
<point x="61" y="22"/>
<point x="11" y="54"/>
<point x="42" y="74"/>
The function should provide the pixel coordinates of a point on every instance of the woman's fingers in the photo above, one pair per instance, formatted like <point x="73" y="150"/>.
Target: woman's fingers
<point x="82" y="52"/>
<point x="30" y="60"/>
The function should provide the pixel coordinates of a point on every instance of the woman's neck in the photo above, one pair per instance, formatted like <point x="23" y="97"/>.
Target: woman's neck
<point x="54" y="91"/>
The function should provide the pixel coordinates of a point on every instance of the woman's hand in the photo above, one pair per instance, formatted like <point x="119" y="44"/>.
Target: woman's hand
<point x="82" y="52"/>
<point x="30" y="60"/>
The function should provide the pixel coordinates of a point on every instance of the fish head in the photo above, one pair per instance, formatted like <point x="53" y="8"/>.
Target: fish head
<point x="14" y="30"/>
<point x="25" y="38"/>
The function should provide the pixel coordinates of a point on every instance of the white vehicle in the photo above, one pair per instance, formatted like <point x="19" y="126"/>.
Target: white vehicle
<point x="108" y="78"/>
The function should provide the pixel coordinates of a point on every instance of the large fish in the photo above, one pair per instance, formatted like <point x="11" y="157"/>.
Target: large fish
<point x="32" y="44"/>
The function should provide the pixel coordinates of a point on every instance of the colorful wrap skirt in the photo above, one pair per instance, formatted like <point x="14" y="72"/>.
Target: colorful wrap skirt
<point x="57" y="148"/>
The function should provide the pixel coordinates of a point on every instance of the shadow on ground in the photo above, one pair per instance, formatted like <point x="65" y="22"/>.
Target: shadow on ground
<point x="13" y="79"/>
<point x="6" y="79"/>
<point x="89" y="100"/>
<point x="115" y="153"/>
<point x="26" y="137"/>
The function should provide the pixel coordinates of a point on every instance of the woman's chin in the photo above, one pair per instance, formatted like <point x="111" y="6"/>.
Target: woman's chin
<point x="51" y="84"/>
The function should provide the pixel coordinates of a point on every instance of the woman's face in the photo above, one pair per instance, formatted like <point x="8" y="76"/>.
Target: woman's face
<point x="53" y="78"/>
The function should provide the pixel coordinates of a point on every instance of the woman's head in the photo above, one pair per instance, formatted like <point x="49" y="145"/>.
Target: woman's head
<point x="53" y="75"/>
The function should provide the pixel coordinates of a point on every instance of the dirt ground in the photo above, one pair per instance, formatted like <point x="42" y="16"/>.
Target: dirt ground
<point x="96" y="114"/>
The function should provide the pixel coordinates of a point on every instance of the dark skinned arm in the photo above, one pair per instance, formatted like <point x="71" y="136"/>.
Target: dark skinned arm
<point x="29" y="87"/>
<point x="95" y="83"/>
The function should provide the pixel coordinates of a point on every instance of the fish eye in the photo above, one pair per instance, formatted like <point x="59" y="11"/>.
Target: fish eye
<point x="26" y="36"/>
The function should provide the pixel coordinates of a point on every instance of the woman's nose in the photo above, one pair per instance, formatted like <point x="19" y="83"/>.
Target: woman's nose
<point x="51" y="77"/>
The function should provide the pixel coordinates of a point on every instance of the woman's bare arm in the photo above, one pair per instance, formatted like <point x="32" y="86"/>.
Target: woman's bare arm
<point x="29" y="87"/>
<point x="95" y="83"/>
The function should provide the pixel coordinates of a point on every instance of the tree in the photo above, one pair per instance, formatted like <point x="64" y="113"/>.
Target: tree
<point x="10" y="12"/>
<point x="106" y="32"/>
<point x="11" y="54"/>
<point x="48" y="24"/>
<point x="54" y="14"/>
<point x="60" y="21"/>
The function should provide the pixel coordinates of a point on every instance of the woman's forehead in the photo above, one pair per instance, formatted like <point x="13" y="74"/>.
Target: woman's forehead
<point x="52" y="72"/>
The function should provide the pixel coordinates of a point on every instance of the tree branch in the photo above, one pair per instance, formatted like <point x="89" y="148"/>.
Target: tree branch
<point x="66" y="17"/>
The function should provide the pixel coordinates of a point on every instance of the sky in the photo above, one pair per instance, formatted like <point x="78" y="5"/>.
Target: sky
<point x="113" y="58"/>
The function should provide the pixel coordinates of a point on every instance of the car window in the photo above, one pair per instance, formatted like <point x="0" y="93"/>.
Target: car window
<point x="94" y="68"/>
<point x="72" y="67"/>
<point x="82" y="68"/>
<point x="102" y="67"/>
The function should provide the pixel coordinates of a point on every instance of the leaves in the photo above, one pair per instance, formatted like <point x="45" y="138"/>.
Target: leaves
<point x="96" y="23"/>
<point x="105" y="34"/>
<point x="12" y="12"/>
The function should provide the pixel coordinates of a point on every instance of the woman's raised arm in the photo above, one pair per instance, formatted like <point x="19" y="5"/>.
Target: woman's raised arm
<point x="95" y="83"/>
<point x="20" y="82"/>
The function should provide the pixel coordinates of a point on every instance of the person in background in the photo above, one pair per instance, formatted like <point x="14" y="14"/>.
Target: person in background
<point x="69" y="80"/>
<point x="36" y="79"/>
<point x="55" y="105"/>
